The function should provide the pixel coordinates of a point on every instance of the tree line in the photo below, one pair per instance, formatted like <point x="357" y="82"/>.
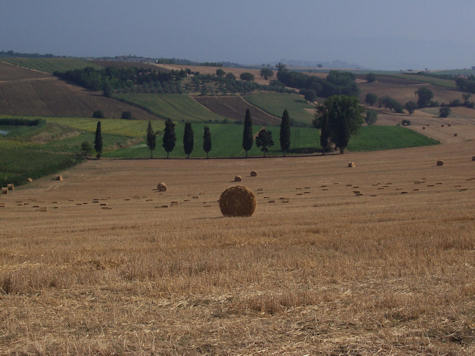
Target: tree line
<point x="338" y="118"/>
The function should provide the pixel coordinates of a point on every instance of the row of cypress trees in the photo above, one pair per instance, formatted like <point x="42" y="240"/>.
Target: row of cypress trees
<point x="264" y="138"/>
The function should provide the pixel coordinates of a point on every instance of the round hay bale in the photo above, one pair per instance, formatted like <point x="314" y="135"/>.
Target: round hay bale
<point x="351" y="164"/>
<point x="253" y="174"/>
<point x="440" y="163"/>
<point x="59" y="178"/>
<point x="473" y="158"/>
<point x="237" y="178"/>
<point x="4" y="190"/>
<point x="456" y="134"/>
<point x="29" y="180"/>
<point x="11" y="186"/>
<point x="237" y="201"/>
<point x="423" y="127"/>
<point x="162" y="187"/>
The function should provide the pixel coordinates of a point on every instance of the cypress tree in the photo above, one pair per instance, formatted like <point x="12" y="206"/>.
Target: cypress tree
<point x="206" y="140"/>
<point x="98" y="140"/>
<point x="188" y="139"/>
<point x="169" y="137"/>
<point x="151" y="138"/>
<point x="324" y="134"/>
<point x="247" y="139"/>
<point x="285" y="132"/>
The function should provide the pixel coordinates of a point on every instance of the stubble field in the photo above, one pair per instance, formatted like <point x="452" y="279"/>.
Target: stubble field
<point x="376" y="259"/>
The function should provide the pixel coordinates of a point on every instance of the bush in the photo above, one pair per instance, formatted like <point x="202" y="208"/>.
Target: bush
<point x="444" y="111"/>
<point x="371" y="117"/>
<point x="249" y="77"/>
<point x="98" y="114"/>
<point x="127" y="115"/>
<point x="86" y="149"/>
<point x="371" y="99"/>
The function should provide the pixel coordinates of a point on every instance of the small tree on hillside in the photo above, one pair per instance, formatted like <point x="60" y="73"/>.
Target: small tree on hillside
<point x="206" y="140"/>
<point x="425" y="96"/>
<point x="248" y="77"/>
<point x="264" y="140"/>
<point x="371" y="99"/>
<point x="444" y="111"/>
<point x="188" y="139"/>
<point x="247" y="139"/>
<point x="266" y="73"/>
<point x="410" y="107"/>
<point x="371" y="117"/>
<point x="98" y="140"/>
<point x="220" y="73"/>
<point x="285" y="132"/>
<point x="151" y="139"/>
<point x="169" y="137"/>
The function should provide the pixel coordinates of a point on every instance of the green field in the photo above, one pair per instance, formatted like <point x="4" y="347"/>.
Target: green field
<point x="178" y="107"/>
<point x="275" y="103"/>
<point x="51" y="65"/>
<point x="227" y="138"/>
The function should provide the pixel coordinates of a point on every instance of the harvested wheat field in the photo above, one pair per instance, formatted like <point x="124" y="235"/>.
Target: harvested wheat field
<point x="375" y="259"/>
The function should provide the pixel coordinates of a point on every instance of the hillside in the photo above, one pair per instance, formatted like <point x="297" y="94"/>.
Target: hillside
<point x="28" y="92"/>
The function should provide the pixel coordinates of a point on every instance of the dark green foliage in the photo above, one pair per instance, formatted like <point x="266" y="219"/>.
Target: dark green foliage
<point x="86" y="149"/>
<point x="324" y="138"/>
<point x="309" y="94"/>
<point x="266" y="73"/>
<point x="264" y="140"/>
<point x="337" y="83"/>
<point x="392" y="104"/>
<point x="188" y="139"/>
<point x="127" y="115"/>
<point x="107" y="89"/>
<point x="343" y="114"/>
<point x="206" y="140"/>
<point x="248" y="77"/>
<point x="370" y="77"/>
<point x="410" y="107"/>
<point x="247" y="139"/>
<point x="219" y="73"/>
<point x="151" y="139"/>
<point x="466" y="84"/>
<point x="425" y="96"/>
<point x="444" y="111"/>
<point x="98" y="114"/>
<point x="371" y="99"/>
<point x="371" y="117"/>
<point x="284" y="132"/>
<point x="98" y="141"/>
<point x="21" y="122"/>
<point x="169" y="137"/>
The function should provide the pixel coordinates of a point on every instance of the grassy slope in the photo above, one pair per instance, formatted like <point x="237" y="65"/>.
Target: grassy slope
<point x="177" y="107"/>
<point x="51" y="65"/>
<point x="275" y="103"/>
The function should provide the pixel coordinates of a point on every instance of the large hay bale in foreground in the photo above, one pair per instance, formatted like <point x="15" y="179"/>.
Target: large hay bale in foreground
<point x="59" y="178"/>
<point x="162" y="187"/>
<point x="11" y="186"/>
<point x="29" y="180"/>
<point x="440" y="163"/>
<point x="4" y="190"/>
<point x="473" y="158"/>
<point x="351" y="164"/>
<point x="237" y="201"/>
<point x="253" y="174"/>
<point x="237" y="178"/>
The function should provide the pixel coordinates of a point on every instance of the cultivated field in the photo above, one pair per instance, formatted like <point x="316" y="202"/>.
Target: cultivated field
<point x="235" y="107"/>
<point x="376" y="259"/>
<point x="27" y="92"/>
<point x="50" y="65"/>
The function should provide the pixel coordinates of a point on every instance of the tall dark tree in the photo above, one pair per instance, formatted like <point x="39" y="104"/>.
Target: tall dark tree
<point x="247" y="139"/>
<point x="206" y="140"/>
<point x="98" y="140"/>
<point x="285" y="132"/>
<point x="343" y="114"/>
<point x="169" y="137"/>
<point x="371" y="99"/>
<point x="410" y="107"/>
<point x="264" y="140"/>
<point x="151" y="138"/>
<point x="188" y="139"/>
<point x="425" y="96"/>
<point x="324" y="138"/>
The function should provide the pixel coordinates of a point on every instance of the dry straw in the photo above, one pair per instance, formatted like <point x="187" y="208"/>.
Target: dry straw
<point x="237" y="201"/>
<point x="162" y="187"/>
<point x="29" y="180"/>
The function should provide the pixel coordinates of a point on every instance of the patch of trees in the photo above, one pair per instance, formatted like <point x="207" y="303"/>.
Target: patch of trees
<point x="444" y="111"/>
<point x="424" y="97"/>
<point x="391" y="104"/>
<point x="338" y="118"/>
<point x="336" y="83"/>
<point x="114" y="78"/>
<point x="371" y="99"/>
<point x="466" y="84"/>
<point x="21" y="122"/>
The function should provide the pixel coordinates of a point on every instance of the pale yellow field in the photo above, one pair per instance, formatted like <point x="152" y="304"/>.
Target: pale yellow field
<point x="376" y="259"/>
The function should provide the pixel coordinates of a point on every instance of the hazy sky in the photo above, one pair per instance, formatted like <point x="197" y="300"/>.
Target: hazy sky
<point x="387" y="34"/>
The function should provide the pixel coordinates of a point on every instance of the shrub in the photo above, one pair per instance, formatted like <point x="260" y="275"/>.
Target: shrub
<point x="98" y="114"/>
<point x="444" y="111"/>
<point x="371" y="117"/>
